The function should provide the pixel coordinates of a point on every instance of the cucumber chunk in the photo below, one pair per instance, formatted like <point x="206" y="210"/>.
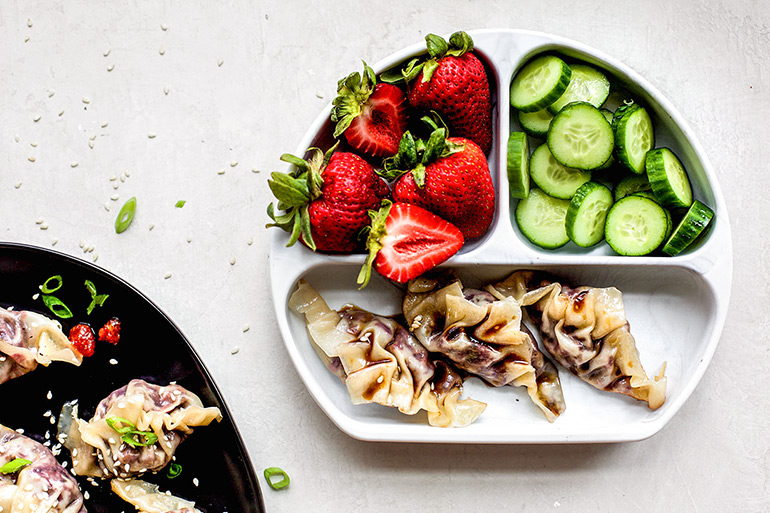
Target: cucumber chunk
<point x="586" y="214"/>
<point x="587" y="84"/>
<point x="580" y="137"/>
<point x="541" y="219"/>
<point x="668" y="178"/>
<point x="535" y="123"/>
<point x="635" y="226"/>
<point x="539" y="83"/>
<point x="689" y="228"/>
<point x="553" y="178"/>
<point x="518" y="165"/>
<point x="631" y="185"/>
<point x="634" y="136"/>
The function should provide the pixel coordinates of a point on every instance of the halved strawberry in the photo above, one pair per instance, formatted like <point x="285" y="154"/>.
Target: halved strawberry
<point x="372" y="116"/>
<point x="406" y="240"/>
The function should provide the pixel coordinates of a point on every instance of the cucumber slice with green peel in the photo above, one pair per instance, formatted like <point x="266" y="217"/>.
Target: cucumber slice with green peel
<point x="586" y="214"/>
<point x="689" y="228"/>
<point x="670" y="228"/>
<point x="535" y="123"/>
<point x="553" y="178"/>
<point x="635" y="226"/>
<point x="539" y="83"/>
<point x="648" y="195"/>
<point x="587" y="84"/>
<point x="518" y="165"/>
<point x="608" y="114"/>
<point x="634" y="136"/>
<point x="631" y="185"/>
<point x="541" y="217"/>
<point x="580" y="137"/>
<point x="668" y="178"/>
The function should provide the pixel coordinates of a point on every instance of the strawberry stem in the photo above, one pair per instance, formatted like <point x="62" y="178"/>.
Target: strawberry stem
<point x="353" y="93"/>
<point x="377" y="233"/>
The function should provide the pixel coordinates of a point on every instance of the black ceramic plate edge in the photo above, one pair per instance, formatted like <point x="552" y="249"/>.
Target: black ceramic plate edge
<point x="214" y="457"/>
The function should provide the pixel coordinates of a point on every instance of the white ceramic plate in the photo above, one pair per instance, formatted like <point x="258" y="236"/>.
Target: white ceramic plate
<point x="676" y="306"/>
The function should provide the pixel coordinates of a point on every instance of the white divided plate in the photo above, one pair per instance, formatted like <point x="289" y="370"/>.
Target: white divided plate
<point x="676" y="305"/>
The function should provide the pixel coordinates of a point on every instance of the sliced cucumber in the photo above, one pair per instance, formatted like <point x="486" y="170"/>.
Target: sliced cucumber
<point x="586" y="214"/>
<point x="634" y="136"/>
<point x="689" y="228"/>
<point x="553" y="178"/>
<point x="635" y="226"/>
<point x="608" y="114"/>
<point x="539" y="83"/>
<point x="580" y="136"/>
<point x="587" y="84"/>
<point x="668" y="178"/>
<point x="518" y="165"/>
<point x="541" y="219"/>
<point x="631" y="185"/>
<point x="535" y="123"/>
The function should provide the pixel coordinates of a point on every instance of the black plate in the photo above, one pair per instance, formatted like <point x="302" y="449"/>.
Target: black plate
<point x="151" y="347"/>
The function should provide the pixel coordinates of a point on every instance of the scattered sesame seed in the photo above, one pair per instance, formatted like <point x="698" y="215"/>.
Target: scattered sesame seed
<point x="34" y="297"/>
<point x="85" y="100"/>
<point x="151" y="227"/>
<point x="39" y="220"/>
<point x="104" y="125"/>
<point x="33" y="144"/>
<point x="49" y="395"/>
<point x="189" y="239"/>
<point x="113" y="178"/>
<point x="123" y="178"/>
<point x="53" y="419"/>
<point x="232" y="261"/>
<point x="246" y="328"/>
<point x="319" y="94"/>
<point x="233" y="163"/>
<point x="165" y="91"/>
<point x="51" y="93"/>
<point x="221" y="172"/>
<point x="44" y="226"/>
<point x="127" y="174"/>
<point x="20" y="431"/>
<point x="195" y="481"/>
<point x="36" y="118"/>
<point x="107" y="207"/>
<point x="235" y="350"/>
<point x="113" y="361"/>
<point x="73" y="164"/>
<point x="61" y="113"/>
<point x="254" y="170"/>
<point x="31" y="159"/>
<point x="17" y="184"/>
<point x="162" y="51"/>
<point x="106" y="52"/>
<point x="29" y="22"/>
<point x="26" y="39"/>
<point x="115" y="186"/>
<point x="220" y="62"/>
<point x="167" y="276"/>
<point x="53" y="243"/>
<point x="152" y="135"/>
<point x="163" y="27"/>
<point x="93" y="137"/>
<point x="110" y="67"/>
<point x="86" y="495"/>
<point x="91" y="144"/>
<point x="82" y="243"/>
<point x="16" y="138"/>
<point x="96" y="257"/>
<point x="250" y="241"/>
<point x="114" y="197"/>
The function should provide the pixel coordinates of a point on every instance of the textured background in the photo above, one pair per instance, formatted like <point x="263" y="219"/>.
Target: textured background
<point x="711" y="59"/>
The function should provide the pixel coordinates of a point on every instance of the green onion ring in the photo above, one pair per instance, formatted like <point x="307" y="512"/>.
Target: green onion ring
<point x="276" y="471"/>
<point x="125" y="216"/>
<point x="58" y="308"/>
<point x="150" y="438"/>
<point x="45" y="288"/>
<point x="128" y="426"/>
<point x="180" y="203"/>
<point x="174" y="470"/>
<point x="14" y="466"/>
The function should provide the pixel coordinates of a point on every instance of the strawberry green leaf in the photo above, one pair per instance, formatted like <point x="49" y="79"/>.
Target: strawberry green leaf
<point x="460" y="43"/>
<point x="289" y="191"/>
<point x="418" y="173"/>
<point x="428" y="69"/>
<point x="377" y="232"/>
<point x="307" y="235"/>
<point x="434" y="148"/>
<point x="301" y="164"/>
<point x="402" y="161"/>
<point x="437" y="46"/>
<point x="295" y="231"/>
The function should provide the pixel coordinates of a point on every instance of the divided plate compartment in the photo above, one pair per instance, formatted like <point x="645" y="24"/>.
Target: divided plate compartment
<point x="676" y="305"/>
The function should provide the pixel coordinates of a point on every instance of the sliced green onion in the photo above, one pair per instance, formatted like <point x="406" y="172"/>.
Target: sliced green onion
<point x="91" y="288"/>
<point x="127" y="427"/>
<point x="174" y="470"/>
<point x="58" y="308"/>
<point x="14" y="466"/>
<point x="47" y="288"/>
<point x="95" y="300"/>
<point x="275" y="471"/>
<point x="180" y="203"/>
<point x="125" y="216"/>
<point x="149" y="438"/>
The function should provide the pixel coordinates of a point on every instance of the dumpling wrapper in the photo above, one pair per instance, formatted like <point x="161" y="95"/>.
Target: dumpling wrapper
<point x="43" y="486"/>
<point x="585" y="330"/>
<point x="381" y="362"/>
<point x="482" y="335"/>
<point x="147" y="497"/>
<point x="28" y="339"/>
<point x="170" y="412"/>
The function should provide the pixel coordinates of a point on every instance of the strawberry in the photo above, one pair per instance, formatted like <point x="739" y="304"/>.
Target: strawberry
<point x="406" y="240"/>
<point x="372" y="116"/>
<point x="454" y="83"/>
<point x="326" y="199"/>
<point x="448" y="176"/>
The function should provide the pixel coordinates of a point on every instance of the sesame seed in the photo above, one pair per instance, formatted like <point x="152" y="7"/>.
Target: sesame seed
<point x="195" y="481"/>
<point x="44" y="226"/>
<point x="26" y="39"/>
<point x="17" y="184"/>
<point x="39" y="220"/>
<point x="152" y="135"/>
<point x="61" y="113"/>
<point x="319" y="94"/>
<point x="86" y="495"/>
<point x="167" y="276"/>
<point x="254" y="170"/>
<point x="85" y="100"/>
<point x="114" y="197"/>
<point x="93" y="137"/>
<point x="127" y="173"/>
<point x="31" y="159"/>
<point x="96" y="257"/>
<point x="250" y="241"/>
<point x="49" y="395"/>
<point x="91" y="144"/>
<point x="221" y="172"/>
<point x="122" y="178"/>
<point x="162" y="51"/>
<point x="165" y="91"/>
<point x="107" y="207"/>
<point x="16" y="138"/>
<point x="110" y="67"/>
<point x="232" y="261"/>
<point x="73" y="164"/>
<point x="246" y="328"/>
<point x="220" y="62"/>
<point x="235" y="350"/>
<point x="20" y="431"/>
<point x="29" y="22"/>
<point x="82" y="243"/>
<point x="53" y="419"/>
<point x="53" y="243"/>
<point x="115" y="186"/>
<point x="233" y="163"/>
<point x="36" y="118"/>
<point x="33" y="144"/>
<point x="189" y="239"/>
<point x="151" y="227"/>
<point x="121" y="404"/>
<point x="51" y="93"/>
<point x="104" y="125"/>
<point x="113" y="361"/>
<point x="106" y="52"/>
